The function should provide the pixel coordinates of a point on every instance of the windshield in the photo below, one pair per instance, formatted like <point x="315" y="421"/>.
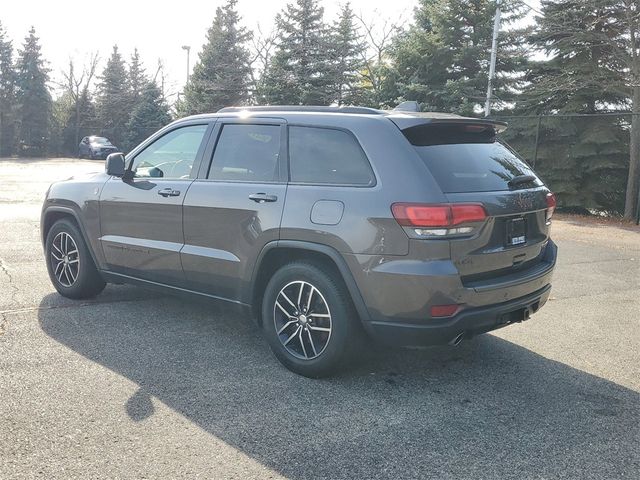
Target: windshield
<point x="99" y="140"/>
<point x="462" y="161"/>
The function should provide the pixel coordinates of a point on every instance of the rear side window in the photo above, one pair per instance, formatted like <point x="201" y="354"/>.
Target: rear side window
<point x="327" y="156"/>
<point x="246" y="153"/>
<point x="468" y="161"/>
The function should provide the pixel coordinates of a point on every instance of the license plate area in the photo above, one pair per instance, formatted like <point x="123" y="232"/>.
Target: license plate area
<point x="516" y="231"/>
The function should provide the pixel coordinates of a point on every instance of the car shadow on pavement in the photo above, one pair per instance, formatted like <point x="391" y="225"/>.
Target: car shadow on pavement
<point x="488" y="408"/>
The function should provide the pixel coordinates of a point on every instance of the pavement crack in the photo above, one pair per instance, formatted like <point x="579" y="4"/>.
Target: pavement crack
<point x="589" y="295"/>
<point x="15" y="311"/>
<point x="607" y="260"/>
<point x="12" y="285"/>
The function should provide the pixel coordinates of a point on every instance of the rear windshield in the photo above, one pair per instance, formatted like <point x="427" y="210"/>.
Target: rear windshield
<point x="469" y="161"/>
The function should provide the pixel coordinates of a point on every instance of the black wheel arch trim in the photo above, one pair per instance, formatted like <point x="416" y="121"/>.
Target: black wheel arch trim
<point x="330" y="252"/>
<point x="69" y="211"/>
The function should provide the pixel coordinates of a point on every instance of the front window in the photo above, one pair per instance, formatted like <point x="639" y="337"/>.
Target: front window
<point x="172" y="155"/>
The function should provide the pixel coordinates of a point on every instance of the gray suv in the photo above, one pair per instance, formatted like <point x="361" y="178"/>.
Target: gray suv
<point x="329" y="225"/>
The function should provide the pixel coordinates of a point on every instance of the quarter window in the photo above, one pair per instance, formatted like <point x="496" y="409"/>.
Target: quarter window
<point x="247" y="153"/>
<point x="172" y="155"/>
<point x="327" y="156"/>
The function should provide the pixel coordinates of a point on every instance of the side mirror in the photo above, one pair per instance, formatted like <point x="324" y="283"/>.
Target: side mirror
<point x="115" y="164"/>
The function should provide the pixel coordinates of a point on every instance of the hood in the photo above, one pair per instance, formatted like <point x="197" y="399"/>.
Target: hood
<point x="81" y="177"/>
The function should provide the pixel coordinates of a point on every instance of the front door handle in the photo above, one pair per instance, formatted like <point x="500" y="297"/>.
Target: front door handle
<point x="262" y="197"/>
<point x="169" y="192"/>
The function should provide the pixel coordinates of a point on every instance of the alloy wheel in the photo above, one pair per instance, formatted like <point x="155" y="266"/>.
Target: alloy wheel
<point x="65" y="260"/>
<point x="302" y="320"/>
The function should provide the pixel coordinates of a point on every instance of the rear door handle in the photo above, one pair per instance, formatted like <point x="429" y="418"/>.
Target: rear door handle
<point x="169" y="192"/>
<point x="262" y="197"/>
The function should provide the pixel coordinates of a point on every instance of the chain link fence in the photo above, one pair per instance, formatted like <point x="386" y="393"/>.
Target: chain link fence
<point x="583" y="158"/>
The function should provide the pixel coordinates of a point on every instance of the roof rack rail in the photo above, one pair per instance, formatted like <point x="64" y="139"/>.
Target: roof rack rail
<point x="302" y="108"/>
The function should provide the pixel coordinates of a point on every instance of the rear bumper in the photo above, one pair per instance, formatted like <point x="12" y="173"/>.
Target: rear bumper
<point x="399" y="292"/>
<point x="466" y="324"/>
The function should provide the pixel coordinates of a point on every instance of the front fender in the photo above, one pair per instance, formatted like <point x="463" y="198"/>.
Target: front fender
<point x="78" y="198"/>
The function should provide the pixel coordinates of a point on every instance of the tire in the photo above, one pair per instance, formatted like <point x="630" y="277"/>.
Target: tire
<point x="76" y="277"/>
<point x="312" y="350"/>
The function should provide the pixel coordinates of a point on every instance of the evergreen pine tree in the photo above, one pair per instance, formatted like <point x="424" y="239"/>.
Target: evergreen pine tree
<point x="443" y="60"/>
<point x="221" y="76"/>
<point x="137" y="77"/>
<point x="113" y="102"/>
<point x="150" y="113"/>
<point x="62" y="113"/>
<point x="33" y="98"/>
<point x="345" y="50"/>
<point x="584" y="160"/>
<point x="7" y="95"/>
<point x="300" y="71"/>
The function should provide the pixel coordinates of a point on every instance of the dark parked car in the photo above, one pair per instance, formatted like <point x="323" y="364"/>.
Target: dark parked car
<point x="328" y="224"/>
<point x="95" y="147"/>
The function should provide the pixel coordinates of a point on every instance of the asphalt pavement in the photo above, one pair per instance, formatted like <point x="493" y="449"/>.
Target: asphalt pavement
<point x="133" y="384"/>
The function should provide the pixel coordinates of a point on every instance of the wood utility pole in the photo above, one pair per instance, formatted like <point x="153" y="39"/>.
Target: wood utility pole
<point x="492" y="63"/>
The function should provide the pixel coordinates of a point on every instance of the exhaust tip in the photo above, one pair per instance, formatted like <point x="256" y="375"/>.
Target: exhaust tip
<point x="455" y="341"/>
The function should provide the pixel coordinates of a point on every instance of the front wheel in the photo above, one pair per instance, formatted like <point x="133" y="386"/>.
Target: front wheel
<point x="309" y="320"/>
<point x="69" y="263"/>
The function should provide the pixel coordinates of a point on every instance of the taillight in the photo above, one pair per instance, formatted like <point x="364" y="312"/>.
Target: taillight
<point x="551" y="205"/>
<point x="464" y="213"/>
<point x="438" y="220"/>
<point x="417" y="215"/>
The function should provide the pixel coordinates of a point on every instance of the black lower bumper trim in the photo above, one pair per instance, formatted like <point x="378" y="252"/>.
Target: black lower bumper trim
<point x="468" y="322"/>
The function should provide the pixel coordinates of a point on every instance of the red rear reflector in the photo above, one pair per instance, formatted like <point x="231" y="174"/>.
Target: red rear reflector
<point x="444" y="310"/>
<point x="447" y="215"/>
<point x="551" y="205"/>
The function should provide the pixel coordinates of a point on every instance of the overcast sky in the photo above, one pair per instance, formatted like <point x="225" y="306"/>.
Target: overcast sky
<point x="76" y="28"/>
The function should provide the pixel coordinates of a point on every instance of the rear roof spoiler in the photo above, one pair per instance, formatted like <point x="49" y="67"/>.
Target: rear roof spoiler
<point x="408" y="120"/>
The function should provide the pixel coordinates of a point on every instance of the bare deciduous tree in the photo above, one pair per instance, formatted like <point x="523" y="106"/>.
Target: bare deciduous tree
<point x="262" y="47"/>
<point x="76" y="85"/>
<point x="379" y="32"/>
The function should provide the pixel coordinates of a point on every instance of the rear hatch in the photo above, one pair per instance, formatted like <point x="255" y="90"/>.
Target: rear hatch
<point x="472" y="166"/>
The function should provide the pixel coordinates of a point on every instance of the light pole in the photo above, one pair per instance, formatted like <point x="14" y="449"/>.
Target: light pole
<point x="188" y="49"/>
<point x="492" y="64"/>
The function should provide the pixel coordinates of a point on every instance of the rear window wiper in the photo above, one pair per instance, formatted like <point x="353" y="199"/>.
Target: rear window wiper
<point x="520" y="179"/>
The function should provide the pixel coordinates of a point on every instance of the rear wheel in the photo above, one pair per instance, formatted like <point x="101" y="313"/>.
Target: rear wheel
<point x="309" y="320"/>
<point x="69" y="263"/>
